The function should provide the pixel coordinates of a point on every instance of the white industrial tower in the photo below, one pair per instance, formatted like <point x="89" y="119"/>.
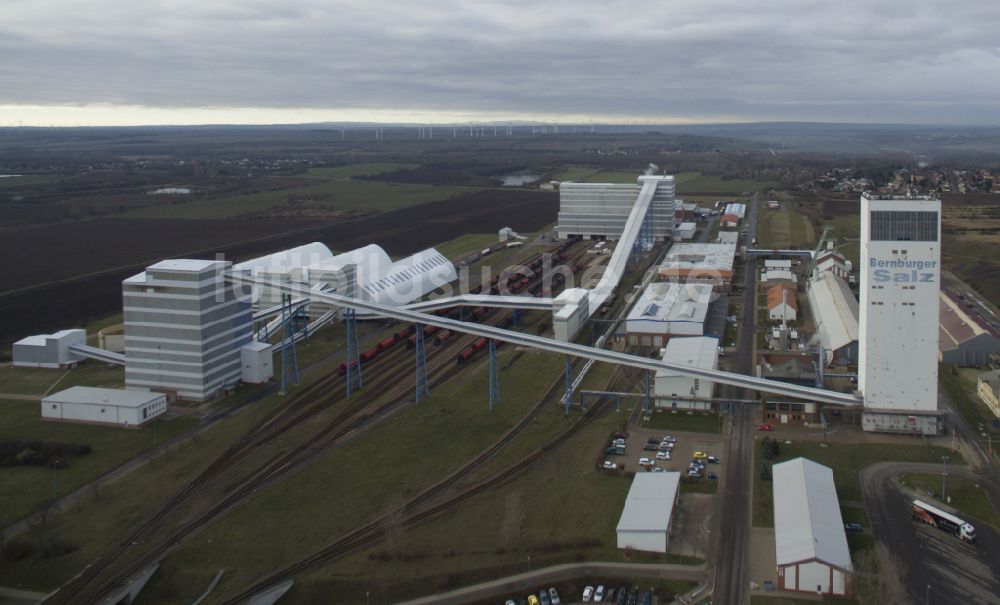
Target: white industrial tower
<point x="898" y="322"/>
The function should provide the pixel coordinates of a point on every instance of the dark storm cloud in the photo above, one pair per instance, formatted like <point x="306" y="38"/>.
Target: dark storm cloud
<point x="874" y="60"/>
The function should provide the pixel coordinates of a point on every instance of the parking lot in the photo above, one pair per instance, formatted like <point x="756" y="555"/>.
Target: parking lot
<point x="684" y="448"/>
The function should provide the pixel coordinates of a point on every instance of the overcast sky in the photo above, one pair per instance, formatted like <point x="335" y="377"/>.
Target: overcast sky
<point x="261" y="61"/>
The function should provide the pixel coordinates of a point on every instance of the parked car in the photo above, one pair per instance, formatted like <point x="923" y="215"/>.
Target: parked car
<point x="663" y="447"/>
<point x="621" y="595"/>
<point x="647" y="598"/>
<point x="657" y="469"/>
<point x="650" y="447"/>
<point x="663" y="455"/>
<point x="510" y="602"/>
<point x="653" y="440"/>
<point x="645" y="462"/>
<point x="853" y="527"/>
<point x="694" y="473"/>
<point x="669" y="438"/>
<point x="700" y="455"/>
<point x="599" y="594"/>
<point x="764" y="427"/>
<point x="633" y="595"/>
<point x="532" y="600"/>
<point x="713" y="476"/>
<point x="544" y="597"/>
<point x="698" y="463"/>
<point x="620" y="435"/>
<point x="713" y="460"/>
<point x="554" y="595"/>
<point x="588" y="592"/>
<point x="610" y="465"/>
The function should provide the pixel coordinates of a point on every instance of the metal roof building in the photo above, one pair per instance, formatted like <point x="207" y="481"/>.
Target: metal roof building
<point x="91" y="405"/>
<point x="964" y="336"/>
<point x="810" y="545"/>
<point x="648" y="512"/>
<point x="668" y="309"/>
<point x="836" y="313"/>
<point x="700" y="263"/>
<point x="370" y="272"/>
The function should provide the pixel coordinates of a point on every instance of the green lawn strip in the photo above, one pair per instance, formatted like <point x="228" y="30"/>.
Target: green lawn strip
<point x="99" y="520"/>
<point x="964" y="494"/>
<point x="27" y="180"/>
<point x="25" y="487"/>
<point x="784" y="600"/>
<point x="846" y="460"/>
<point x="683" y="421"/>
<point x="467" y="244"/>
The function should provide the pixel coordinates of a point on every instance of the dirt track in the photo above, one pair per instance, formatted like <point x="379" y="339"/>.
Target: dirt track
<point x="90" y="248"/>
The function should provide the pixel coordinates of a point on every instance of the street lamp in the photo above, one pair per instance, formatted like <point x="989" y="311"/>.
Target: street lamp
<point x="927" y="597"/>
<point x="54" y="463"/>
<point x="529" y="563"/>
<point x="944" y="477"/>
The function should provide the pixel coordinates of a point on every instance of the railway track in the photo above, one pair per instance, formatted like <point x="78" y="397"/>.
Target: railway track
<point x="372" y="531"/>
<point x="350" y="422"/>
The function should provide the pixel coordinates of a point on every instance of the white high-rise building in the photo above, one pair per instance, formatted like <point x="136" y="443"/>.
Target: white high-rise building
<point x="184" y="329"/>
<point x="898" y="319"/>
<point x="600" y="210"/>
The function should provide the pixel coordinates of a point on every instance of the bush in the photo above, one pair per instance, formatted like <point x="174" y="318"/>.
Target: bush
<point x="40" y="453"/>
<point x="765" y="471"/>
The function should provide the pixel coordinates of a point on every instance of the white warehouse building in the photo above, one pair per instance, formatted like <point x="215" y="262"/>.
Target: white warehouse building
<point x="367" y="272"/>
<point x="668" y="309"/>
<point x="648" y="513"/>
<point x="600" y="210"/>
<point x="49" y="350"/>
<point x="90" y="405"/>
<point x="900" y="285"/>
<point x="811" y="549"/>
<point x="835" y="311"/>
<point x="676" y="391"/>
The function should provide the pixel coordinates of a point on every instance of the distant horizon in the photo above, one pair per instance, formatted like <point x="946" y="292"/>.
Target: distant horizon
<point x="467" y="121"/>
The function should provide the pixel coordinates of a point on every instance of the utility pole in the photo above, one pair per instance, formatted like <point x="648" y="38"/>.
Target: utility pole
<point x="944" y="477"/>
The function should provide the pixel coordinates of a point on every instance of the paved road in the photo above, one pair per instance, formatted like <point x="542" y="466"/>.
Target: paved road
<point x="730" y="579"/>
<point x="956" y="572"/>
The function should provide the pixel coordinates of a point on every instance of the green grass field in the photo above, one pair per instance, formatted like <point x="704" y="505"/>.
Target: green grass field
<point x="687" y="182"/>
<point x="467" y="244"/>
<point x="785" y="228"/>
<point x="362" y="169"/>
<point x="38" y="381"/>
<point x="27" y="486"/>
<point x="413" y="449"/>
<point x="694" y="182"/>
<point x="682" y="421"/>
<point x="965" y="495"/>
<point x="326" y="198"/>
<point x="846" y="460"/>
